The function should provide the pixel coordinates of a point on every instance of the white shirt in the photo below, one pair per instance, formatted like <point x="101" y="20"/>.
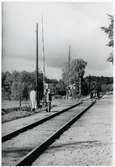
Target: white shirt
<point x="33" y="98"/>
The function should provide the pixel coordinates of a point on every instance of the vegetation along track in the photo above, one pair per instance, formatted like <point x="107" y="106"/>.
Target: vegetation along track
<point x="26" y="147"/>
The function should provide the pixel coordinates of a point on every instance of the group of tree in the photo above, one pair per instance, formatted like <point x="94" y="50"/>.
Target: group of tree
<point x="110" y="32"/>
<point x="82" y="85"/>
<point x="16" y="85"/>
<point x="75" y="74"/>
<point x="105" y="83"/>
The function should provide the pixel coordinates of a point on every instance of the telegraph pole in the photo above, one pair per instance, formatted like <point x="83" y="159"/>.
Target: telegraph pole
<point x="43" y="52"/>
<point x="68" y="74"/>
<point x="37" y="93"/>
<point x="69" y="59"/>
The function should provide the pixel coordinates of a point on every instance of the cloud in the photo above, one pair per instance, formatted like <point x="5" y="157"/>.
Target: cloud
<point x="75" y="24"/>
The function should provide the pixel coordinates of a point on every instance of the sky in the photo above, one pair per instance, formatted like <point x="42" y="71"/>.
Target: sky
<point x="74" y="24"/>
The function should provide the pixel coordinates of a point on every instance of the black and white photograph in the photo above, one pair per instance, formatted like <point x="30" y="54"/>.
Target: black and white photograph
<point x="57" y="62"/>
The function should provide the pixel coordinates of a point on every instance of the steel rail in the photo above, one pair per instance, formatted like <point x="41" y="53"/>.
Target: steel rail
<point x="30" y="126"/>
<point x="28" y="159"/>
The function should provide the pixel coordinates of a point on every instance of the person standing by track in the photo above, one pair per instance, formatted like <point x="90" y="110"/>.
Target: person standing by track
<point x="33" y="100"/>
<point x="48" y="100"/>
<point x="98" y="90"/>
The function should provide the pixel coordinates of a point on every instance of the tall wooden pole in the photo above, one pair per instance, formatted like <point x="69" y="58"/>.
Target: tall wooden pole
<point x="37" y="93"/>
<point x="69" y="59"/>
<point x="43" y="52"/>
<point x="68" y="73"/>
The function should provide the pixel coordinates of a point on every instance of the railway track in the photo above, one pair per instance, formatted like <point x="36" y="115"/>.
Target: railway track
<point x="36" y="123"/>
<point x="19" y="151"/>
